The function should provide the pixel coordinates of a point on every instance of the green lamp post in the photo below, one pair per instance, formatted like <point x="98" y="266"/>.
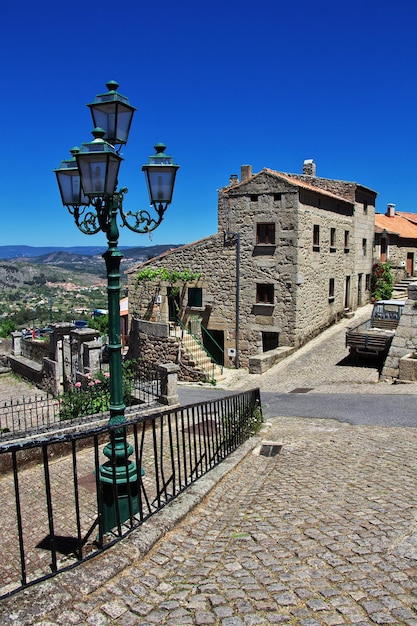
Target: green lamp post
<point x="87" y="184"/>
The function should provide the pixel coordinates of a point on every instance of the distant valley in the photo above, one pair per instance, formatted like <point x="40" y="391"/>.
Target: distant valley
<point x="86" y="258"/>
<point x="45" y="284"/>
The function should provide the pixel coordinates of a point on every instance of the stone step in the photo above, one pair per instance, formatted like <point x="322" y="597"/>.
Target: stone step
<point x="197" y="357"/>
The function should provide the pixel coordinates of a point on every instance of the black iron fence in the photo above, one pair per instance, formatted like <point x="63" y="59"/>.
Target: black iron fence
<point x="63" y="501"/>
<point x="39" y="411"/>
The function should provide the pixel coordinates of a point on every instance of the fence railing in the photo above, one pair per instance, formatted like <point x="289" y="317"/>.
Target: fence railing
<point x="40" y="411"/>
<point x="55" y="503"/>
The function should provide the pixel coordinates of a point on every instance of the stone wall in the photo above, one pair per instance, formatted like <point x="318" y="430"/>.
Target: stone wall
<point x="35" y="349"/>
<point x="152" y="343"/>
<point x="217" y="264"/>
<point x="316" y="266"/>
<point x="50" y="364"/>
<point x="405" y="338"/>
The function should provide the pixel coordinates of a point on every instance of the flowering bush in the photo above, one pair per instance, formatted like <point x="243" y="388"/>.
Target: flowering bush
<point x="382" y="281"/>
<point x="93" y="398"/>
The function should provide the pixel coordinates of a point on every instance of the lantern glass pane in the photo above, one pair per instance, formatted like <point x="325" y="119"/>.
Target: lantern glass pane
<point x="70" y="188"/>
<point x="115" y="119"/>
<point x="98" y="173"/>
<point x="160" y="183"/>
<point x="112" y="175"/>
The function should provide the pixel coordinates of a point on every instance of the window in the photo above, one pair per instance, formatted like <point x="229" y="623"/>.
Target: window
<point x="347" y="239"/>
<point x="253" y="198"/>
<point x="265" y="234"/>
<point x="368" y="282"/>
<point x="270" y="341"/>
<point x="332" y="240"/>
<point x="331" y="289"/>
<point x="264" y="294"/>
<point x="364" y="244"/>
<point x="195" y="297"/>
<point x="277" y="197"/>
<point x="365" y="207"/>
<point x="316" y="237"/>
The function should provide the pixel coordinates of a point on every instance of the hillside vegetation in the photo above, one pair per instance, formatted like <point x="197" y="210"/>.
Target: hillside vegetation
<point x="32" y="295"/>
<point x="59" y="284"/>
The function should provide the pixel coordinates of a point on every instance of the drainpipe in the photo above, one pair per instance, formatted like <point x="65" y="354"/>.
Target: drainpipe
<point x="230" y="239"/>
<point x="237" y="298"/>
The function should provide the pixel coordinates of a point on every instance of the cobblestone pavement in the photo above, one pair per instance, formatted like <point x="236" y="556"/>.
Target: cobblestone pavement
<point x="325" y="533"/>
<point x="324" y="366"/>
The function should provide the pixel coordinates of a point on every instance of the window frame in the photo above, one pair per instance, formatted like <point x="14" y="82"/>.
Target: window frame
<point x="332" y="239"/>
<point x="316" y="237"/>
<point x="265" y="294"/>
<point x="331" y="289"/>
<point x="192" y="302"/>
<point x="269" y="231"/>
<point x="347" y="241"/>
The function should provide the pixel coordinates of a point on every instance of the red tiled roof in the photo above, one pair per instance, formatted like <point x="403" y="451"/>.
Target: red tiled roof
<point x="402" y="226"/>
<point x="412" y="217"/>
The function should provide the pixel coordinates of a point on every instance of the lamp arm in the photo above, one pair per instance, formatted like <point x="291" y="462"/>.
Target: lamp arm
<point x="142" y="221"/>
<point x="87" y="221"/>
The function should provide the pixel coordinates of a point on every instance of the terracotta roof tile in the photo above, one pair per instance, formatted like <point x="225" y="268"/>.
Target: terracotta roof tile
<point x="412" y="217"/>
<point x="404" y="227"/>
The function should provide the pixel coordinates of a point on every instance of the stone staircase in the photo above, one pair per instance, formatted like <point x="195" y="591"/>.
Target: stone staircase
<point x="401" y="288"/>
<point x="194" y="356"/>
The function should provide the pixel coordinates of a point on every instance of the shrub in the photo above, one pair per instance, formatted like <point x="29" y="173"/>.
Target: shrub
<point x="382" y="281"/>
<point x="93" y="398"/>
<point x="7" y="327"/>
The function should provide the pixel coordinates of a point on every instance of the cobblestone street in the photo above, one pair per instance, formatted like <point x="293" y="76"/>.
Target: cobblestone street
<point x="324" y="533"/>
<point x="324" y="366"/>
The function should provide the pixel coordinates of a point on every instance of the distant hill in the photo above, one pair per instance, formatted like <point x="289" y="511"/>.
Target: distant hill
<point x="59" y="255"/>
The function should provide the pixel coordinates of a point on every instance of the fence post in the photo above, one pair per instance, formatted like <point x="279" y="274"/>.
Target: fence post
<point x="169" y="383"/>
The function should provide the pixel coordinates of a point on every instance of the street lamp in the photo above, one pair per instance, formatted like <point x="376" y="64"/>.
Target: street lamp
<point x="87" y="184"/>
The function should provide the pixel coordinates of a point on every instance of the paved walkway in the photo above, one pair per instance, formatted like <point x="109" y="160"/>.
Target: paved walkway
<point x="325" y="533"/>
<point x="324" y="366"/>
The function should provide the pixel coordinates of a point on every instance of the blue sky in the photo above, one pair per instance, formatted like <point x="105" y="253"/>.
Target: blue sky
<point x="267" y="83"/>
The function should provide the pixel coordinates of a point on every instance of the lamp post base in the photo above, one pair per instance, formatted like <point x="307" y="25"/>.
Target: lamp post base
<point x="119" y="491"/>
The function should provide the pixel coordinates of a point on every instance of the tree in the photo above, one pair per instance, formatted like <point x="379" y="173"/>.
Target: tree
<point x="100" y="323"/>
<point x="7" y="327"/>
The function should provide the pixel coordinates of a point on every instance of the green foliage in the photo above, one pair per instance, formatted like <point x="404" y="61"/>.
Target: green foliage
<point x="94" y="398"/>
<point x="170" y="276"/>
<point x="241" y="425"/>
<point x="382" y="281"/>
<point x="256" y="420"/>
<point x="36" y="280"/>
<point x="7" y="327"/>
<point x="100" y="323"/>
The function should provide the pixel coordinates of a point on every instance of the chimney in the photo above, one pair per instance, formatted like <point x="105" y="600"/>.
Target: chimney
<point x="233" y="179"/>
<point x="390" y="210"/>
<point x="309" y="167"/>
<point x="245" y="172"/>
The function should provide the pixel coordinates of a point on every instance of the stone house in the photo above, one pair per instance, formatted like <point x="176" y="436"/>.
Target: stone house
<point x="292" y="254"/>
<point x="396" y="241"/>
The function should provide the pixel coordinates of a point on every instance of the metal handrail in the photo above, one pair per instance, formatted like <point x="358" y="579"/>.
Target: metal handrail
<point x="41" y="411"/>
<point x="208" y="333"/>
<point x="197" y="340"/>
<point x="56" y="502"/>
<point x="207" y="375"/>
